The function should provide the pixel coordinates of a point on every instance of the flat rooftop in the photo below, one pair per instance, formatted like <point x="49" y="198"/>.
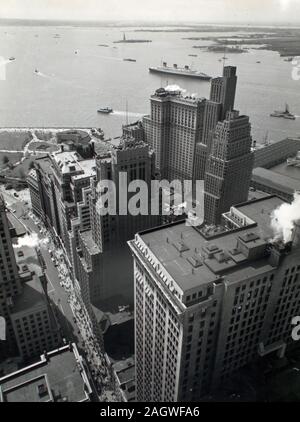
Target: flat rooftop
<point x="59" y="376"/>
<point x="288" y="171"/>
<point x="88" y="240"/>
<point x="71" y="162"/>
<point x="277" y="180"/>
<point x="178" y="246"/>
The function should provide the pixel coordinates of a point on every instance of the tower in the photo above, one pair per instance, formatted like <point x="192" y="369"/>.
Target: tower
<point x="229" y="167"/>
<point x="221" y="100"/>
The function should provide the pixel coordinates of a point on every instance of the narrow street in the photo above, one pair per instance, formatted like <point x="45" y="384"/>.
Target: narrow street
<point x="73" y="319"/>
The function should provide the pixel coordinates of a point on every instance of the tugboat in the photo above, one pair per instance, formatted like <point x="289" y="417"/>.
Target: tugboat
<point x="105" y="110"/>
<point x="284" y="114"/>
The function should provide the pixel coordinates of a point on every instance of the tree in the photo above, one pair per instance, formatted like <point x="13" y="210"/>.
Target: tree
<point x="31" y="165"/>
<point x="5" y="159"/>
<point x="21" y="173"/>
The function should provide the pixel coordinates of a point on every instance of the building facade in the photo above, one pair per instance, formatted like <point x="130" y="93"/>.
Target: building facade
<point x="207" y="304"/>
<point x="10" y="284"/>
<point x="229" y="167"/>
<point x="31" y="326"/>
<point x="103" y="244"/>
<point x="172" y="130"/>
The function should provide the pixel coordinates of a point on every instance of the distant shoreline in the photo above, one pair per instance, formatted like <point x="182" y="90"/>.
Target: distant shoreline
<point x="148" y="26"/>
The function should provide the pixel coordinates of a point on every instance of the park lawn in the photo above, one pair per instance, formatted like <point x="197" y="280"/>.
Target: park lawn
<point x="14" y="140"/>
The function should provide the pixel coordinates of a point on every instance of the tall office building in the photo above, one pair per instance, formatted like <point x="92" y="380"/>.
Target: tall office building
<point x="229" y="167"/>
<point x="172" y="130"/>
<point x="207" y="304"/>
<point x="10" y="284"/>
<point x="223" y="90"/>
<point x="179" y="128"/>
<point x="103" y="262"/>
<point x="221" y="100"/>
<point x="31" y="325"/>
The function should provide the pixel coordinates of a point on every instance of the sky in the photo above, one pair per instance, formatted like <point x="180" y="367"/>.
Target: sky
<point x="189" y="11"/>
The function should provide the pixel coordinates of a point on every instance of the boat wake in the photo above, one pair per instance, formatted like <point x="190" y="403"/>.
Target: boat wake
<point x="129" y="114"/>
<point x="43" y="75"/>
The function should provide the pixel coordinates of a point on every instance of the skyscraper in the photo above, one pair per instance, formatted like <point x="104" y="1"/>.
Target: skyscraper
<point x="31" y="325"/>
<point x="223" y="90"/>
<point x="221" y="100"/>
<point x="10" y="284"/>
<point x="207" y="304"/>
<point x="103" y="262"/>
<point x="229" y="167"/>
<point x="172" y="130"/>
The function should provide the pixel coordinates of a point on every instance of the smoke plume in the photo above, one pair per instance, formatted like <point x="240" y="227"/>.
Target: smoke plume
<point x="173" y="88"/>
<point x="31" y="240"/>
<point x="284" y="218"/>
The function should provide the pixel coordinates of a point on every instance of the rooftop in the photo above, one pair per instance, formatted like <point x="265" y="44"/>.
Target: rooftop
<point x="31" y="274"/>
<point x="125" y="374"/>
<point x="58" y="376"/>
<point x="276" y="180"/>
<point x="71" y="162"/>
<point x="192" y="260"/>
<point x="88" y="240"/>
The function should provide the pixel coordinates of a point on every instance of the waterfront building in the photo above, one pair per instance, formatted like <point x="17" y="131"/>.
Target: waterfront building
<point x="208" y="302"/>
<point x="273" y="153"/>
<point x="274" y="183"/>
<point x="179" y="127"/>
<point x="172" y="130"/>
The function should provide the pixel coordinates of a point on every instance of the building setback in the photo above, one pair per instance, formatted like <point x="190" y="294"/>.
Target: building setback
<point x="229" y="167"/>
<point x="179" y="127"/>
<point x="207" y="302"/>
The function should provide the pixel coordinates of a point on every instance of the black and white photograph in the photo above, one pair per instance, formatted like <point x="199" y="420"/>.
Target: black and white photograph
<point x="149" y="204"/>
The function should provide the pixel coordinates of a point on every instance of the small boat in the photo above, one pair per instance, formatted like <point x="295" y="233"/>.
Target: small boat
<point x="11" y="58"/>
<point x="284" y="114"/>
<point x="36" y="71"/>
<point x="258" y="61"/>
<point x="129" y="60"/>
<point x="105" y="110"/>
<point x="193" y="55"/>
<point x="289" y="59"/>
